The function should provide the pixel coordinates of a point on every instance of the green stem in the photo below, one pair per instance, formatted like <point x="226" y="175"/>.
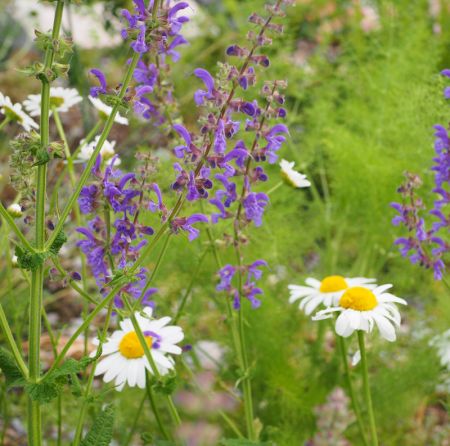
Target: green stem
<point x="12" y="343"/>
<point x="135" y="422"/>
<point x="72" y="283"/>
<point x="4" y="122"/>
<point x="367" y="394"/>
<point x="189" y="288"/>
<point x="155" y="270"/>
<point x="12" y="224"/>
<point x="88" y="389"/>
<point x="82" y="327"/>
<point x="274" y="188"/>
<point x="104" y="135"/>
<point x="350" y="389"/>
<point x="152" y="401"/>
<point x="37" y="277"/>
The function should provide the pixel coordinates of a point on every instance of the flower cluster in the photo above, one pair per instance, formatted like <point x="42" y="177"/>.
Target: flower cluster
<point x="359" y="303"/>
<point x="425" y="246"/>
<point x="112" y="244"/>
<point x="248" y="289"/>
<point x="154" y="32"/>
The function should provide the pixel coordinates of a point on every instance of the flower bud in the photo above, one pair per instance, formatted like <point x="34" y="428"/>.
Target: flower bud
<point x="15" y="210"/>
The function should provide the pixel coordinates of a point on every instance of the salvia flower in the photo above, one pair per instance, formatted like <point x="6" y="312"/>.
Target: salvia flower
<point x="250" y="290"/>
<point x="208" y="80"/>
<point x="124" y="360"/>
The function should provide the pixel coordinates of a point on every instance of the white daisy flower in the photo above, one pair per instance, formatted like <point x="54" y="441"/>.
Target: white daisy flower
<point x="125" y="361"/>
<point x="14" y="112"/>
<point x="361" y="308"/>
<point x="107" y="151"/>
<point x="105" y="110"/>
<point x="60" y="98"/>
<point x="442" y="344"/>
<point x="291" y="176"/>
<point x="326" y="292"/>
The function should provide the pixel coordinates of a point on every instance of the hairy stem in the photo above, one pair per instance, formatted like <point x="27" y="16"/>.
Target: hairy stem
<point x="37" y="276"/>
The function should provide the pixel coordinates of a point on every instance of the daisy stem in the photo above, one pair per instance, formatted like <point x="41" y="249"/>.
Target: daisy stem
<point x="351" y="390"/>
<point x="274" y="188"/>
<point x="37" y="276"/>
<point x="90" y="381"/>
<point x="152" y="400"/>
<point x="172" y="409"/>
<point x="190" y="286"/>
<point x="104" y="135"/>
<point x="367" y="394"/>
<point x="4" y="122"/>
<point x="135" y="422"/>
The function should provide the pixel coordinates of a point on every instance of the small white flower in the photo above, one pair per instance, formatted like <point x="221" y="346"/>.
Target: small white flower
<point x="15" y="113"/>
<point x="291" y="176"/>
<point x="361" y="309"/>
<point x="105" y="110"/>
<point x="107" y="151"/>
<point x="125" y="361"/>
<point x="442" y="344"/>
<point x="60" y="98"/>
<point x="326" y="292"/>
<point x="14" y="261"/>
<point x="15" y="210"/>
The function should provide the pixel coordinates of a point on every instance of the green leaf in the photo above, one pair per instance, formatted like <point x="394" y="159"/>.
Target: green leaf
<point x="60" y="239"/>
<point x="101" y="431"/>
<point x="12" y="373"/>
<point x="27" y="260"/>
<point x="166" y="385"/>
<point x="50" y="387"/>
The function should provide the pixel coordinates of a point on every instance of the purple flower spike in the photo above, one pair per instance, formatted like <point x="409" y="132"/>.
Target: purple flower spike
<point x="208" y="80"/>
<point x="102" y="89"/>
<point x="248" y="108"/>
<point x="446" y="72"/>
<point x="139" y="45"/>
<point x="220" y="142"/>
<point x="254" y="205"/>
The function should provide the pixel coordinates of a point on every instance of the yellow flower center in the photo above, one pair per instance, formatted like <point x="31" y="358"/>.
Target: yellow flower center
<point x="131" y="348"/>
<point x="359" y="299"/>
<point x="333" y="283"/>
<point x="56" y="101"/>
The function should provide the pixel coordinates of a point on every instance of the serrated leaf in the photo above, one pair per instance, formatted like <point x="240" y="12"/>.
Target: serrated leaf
<point x="12" y="373"/>
<point x="59" y="241"/>
<point x="27" y="260"/>
<point x="50" y="387"/>
<point x="101" y="431"/>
